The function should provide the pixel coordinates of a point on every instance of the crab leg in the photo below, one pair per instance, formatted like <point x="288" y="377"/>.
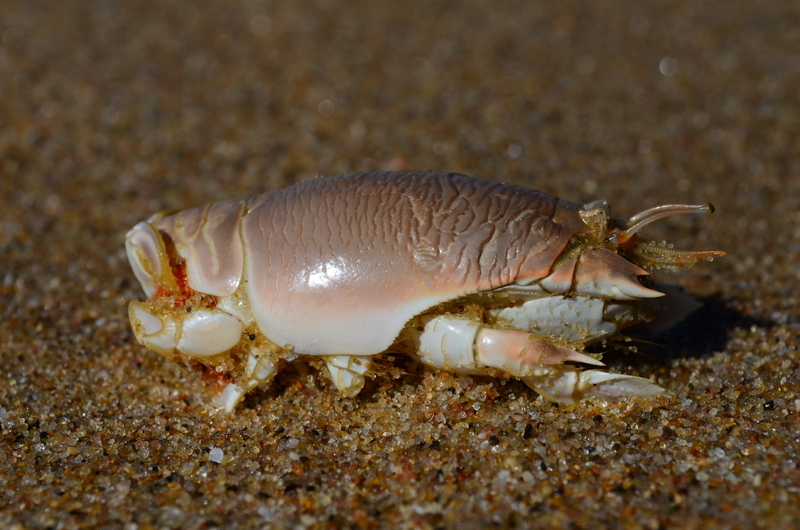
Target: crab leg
<point x="259" y="369"/>
<point x="569" y="384"/>
<point x="520" y="353"/>
<point x="467" y="346"/>
<point x="347" y="372"/>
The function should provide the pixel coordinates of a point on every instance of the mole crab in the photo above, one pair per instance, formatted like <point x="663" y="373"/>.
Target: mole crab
<point x="466" y="275"/>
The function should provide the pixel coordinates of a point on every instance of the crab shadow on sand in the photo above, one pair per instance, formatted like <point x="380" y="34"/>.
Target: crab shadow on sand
<point x="702" y="333"/>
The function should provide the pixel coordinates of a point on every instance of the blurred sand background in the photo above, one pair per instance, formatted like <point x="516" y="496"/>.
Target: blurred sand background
<point x="110" y="111"/>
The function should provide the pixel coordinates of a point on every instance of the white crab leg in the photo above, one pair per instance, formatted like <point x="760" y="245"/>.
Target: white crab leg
<point x="466" y="346"/>
<point x="230" y="396"/>
<point x="578" y="319"/>
<point x="448" y="343"/>
<point x="347" y="372"/>
<point x="260" y="369"/>
<point x="207" y="239"/>
<point x="144" y="253"/>
<point x="520" y="353"/>
<point x="568" y="384"/>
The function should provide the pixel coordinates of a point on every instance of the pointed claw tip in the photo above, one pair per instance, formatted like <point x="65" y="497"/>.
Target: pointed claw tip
<point x="619" y="386"/>
<point x="583" y="358"/>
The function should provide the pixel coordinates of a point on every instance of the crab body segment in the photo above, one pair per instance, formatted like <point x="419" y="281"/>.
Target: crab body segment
<point x="466" y="275"/>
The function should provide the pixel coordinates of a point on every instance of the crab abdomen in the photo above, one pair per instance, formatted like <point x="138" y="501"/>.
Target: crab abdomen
<point x="339" y="265"/>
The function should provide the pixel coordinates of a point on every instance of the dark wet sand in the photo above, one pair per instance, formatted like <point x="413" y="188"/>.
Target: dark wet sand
<point x="111" y="111"/>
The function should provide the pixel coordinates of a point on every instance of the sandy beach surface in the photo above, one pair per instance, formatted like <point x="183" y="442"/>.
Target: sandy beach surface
<point x="111" y="111"/>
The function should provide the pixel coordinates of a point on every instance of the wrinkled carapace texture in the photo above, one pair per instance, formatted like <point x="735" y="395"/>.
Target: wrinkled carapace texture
<point x="352" y="254"/>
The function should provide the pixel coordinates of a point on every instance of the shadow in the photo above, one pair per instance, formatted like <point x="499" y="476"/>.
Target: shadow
<point x="389" y="375"/>
<point x="290" y="375"/>
<point x="700" y="334"/>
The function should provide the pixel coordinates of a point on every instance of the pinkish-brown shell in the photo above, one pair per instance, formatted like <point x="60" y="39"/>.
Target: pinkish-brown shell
<point x="339" y="265"/>
<point x="208" y="240"/>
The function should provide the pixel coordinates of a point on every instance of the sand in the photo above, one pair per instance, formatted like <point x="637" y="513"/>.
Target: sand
<point x="111" y="111"/>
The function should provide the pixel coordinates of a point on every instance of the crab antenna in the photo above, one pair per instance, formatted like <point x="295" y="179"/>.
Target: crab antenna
<point x="659" y="212"/>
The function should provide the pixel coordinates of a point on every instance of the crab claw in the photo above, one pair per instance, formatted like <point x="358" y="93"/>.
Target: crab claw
<point x="568" y="384"/>
<point x="158" y="334"/>
<point x="203" y="333"/>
